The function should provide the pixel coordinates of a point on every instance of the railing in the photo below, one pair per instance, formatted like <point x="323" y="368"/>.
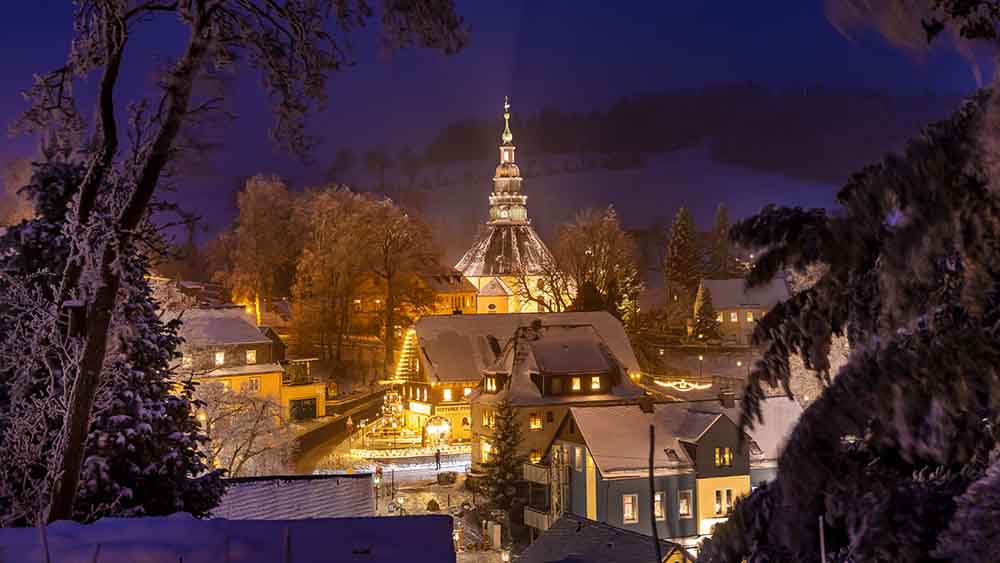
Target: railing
<point x="537" y="519"/>
<point x="536" y="473"/>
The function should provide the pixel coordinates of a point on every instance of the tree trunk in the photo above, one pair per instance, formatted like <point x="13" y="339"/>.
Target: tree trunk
<point x="390" y="341"/>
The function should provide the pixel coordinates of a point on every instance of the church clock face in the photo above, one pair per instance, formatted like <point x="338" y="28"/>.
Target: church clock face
<point x="504" y="213"/>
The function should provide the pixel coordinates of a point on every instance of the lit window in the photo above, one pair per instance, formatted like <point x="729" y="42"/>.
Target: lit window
<point x="729" y="500"/>
<point x="630" y="509"/>
<point x="718" y="502"/>
<point x="535" y="456"/>
<point x="251" y="385"/>
<point x="658" y="506"/>
<point x="425" y="393"/>
<point x="251" y="356"/>
<point x="220" y="358"/>
<point x="578" y="458"/>
<point x="186" y="361"/>
<point x="466" y="392"/>
<point x="595" y="382"/>
<point x="447" y="394"/>
<point x="684" y="501"/>
<point x="486" y="419"/>
<point x="535" y="421"/>
<point x="749" y="316"/>
<point x="576" y="383"/>
<point x="734" y="317"/>
<point x="485" y="447"/>
<point x="723" y="457"/>
<point x="718" y="318"/>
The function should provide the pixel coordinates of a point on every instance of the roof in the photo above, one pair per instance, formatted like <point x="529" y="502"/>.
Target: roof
<point x="593" y="542"/>
<point x="297" y="496"/>
<point x="495" y="288"/>
<point x="214" y="327"/>
<point x="180" y="537"/>
<point x="448" y="280"/>
<point x="620" y="451"/>
<point x="247" y="369"/>
<point x="461" y="347"/>
<point x="734" y="293"/>
<point x="505" y="249"/>
<point x="577" y="350"/>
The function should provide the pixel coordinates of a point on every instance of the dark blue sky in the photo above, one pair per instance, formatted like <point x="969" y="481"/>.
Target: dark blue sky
<point x="571" y="54"/>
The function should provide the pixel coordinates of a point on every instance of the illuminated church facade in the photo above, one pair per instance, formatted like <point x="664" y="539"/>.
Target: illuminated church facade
<point x="508" y="258"/>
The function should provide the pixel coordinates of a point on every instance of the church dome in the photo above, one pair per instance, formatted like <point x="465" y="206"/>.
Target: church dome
<point x="508" y="170"/>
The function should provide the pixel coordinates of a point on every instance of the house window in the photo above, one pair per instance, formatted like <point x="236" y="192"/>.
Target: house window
<point x="535" y="421"/>
<point x="535" y="456"/>
<point x="718" y="317"/>
<point x="576" y="383"/>
<point x="251" y="356"/>
<point x="578" y="458"/>
<point x="684" y="501"/>
<point x="549" y="416"/>
<point x="425" y="393"/>
<point x="723" y="457"/>
<point x="734" y="317"/>
<point x="729" y="500"/>
<point x="485" y="448"/>
<point x="718" y="502"/>
<point x="658" y="511"/>
<point x="302" y="409"/>
<point x="220" y="358"/>
<point x="595" y="382"/>
<point x="466" y="391"/>
<point x="251" y="385"/>
<point x="186" y="361"/>
<point x="486" y="419"/>
<point x="630" y="509"/>
<point x="723" y="502"/>
<point x="749" y="316"/>
<point x="556" y="385"/>
<point x="446" y="394"/>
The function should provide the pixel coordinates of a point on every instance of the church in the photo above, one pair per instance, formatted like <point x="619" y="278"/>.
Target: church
<point x="508" y="258"/>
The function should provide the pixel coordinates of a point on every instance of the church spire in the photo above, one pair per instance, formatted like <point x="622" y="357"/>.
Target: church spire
<point x="507" y="136"/>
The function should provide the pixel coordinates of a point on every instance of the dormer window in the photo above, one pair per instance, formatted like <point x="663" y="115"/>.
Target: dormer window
<point x="595" y="383"/>
<point x="723" y="457"/>
<point x="576" y="384"/>
<point x="220" y="358"/>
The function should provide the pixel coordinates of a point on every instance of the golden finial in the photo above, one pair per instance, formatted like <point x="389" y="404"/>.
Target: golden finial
<point x="507" y="135"/>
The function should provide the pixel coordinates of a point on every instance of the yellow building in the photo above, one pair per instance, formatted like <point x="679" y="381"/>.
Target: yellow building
<point x="738" y="308"/>
<point x="506" y="262"/>
<point x="223" y="346"/>
<point x="453" y="294"/>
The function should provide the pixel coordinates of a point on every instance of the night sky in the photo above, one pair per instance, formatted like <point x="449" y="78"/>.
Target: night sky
<point x="575" y="55"/>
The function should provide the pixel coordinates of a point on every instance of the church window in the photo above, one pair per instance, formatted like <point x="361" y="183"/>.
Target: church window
<point x="595" y="382"/>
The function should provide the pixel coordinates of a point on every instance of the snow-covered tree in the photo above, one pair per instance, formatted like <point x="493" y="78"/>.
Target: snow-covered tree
<point x="293" y="44"/>
<point x="503" y="468"/>
<point x="706" y="321"/>
<point x="898" y="452"/>
<point x="682" y="263"/>
<point x="722" y="262"/>
<point x="142" y="450"/>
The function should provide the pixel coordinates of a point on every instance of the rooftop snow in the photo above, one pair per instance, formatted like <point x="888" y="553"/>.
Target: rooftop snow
<point x="505" y="249"/>
<point x="214" y="327"/>
<point x="448" y="280"/>
<point x="495" y="288"/>
<point x="413" y="539"/>
<point x="734" y="293"/>
<point x="248" y="369"/>
<point x="592" y="542"/>
<point x="457" y="347"/>
<point x="297" y="497"/>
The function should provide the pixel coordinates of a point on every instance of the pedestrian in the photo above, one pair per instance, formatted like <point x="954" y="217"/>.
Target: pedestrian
<point x="437" y="459"/>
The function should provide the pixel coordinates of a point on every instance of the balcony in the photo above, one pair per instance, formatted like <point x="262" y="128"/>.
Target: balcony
<point x="536" y="518"/>
<point x="536" y="473"/>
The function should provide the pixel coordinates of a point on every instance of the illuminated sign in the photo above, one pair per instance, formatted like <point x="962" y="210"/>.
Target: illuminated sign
<point x="420" y="408"/>
<point x="684" y="385"/>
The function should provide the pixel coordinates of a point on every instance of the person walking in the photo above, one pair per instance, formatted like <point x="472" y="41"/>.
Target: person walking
<point x="437" y="459"/>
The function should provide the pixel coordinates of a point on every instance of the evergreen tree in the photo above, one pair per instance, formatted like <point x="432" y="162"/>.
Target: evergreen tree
<point x="682" y="265"/>
<point x="142" y="455"/>
<point x="706" y="321"/>
<point x="721" y="261"/>
<point x="504" y="464"/>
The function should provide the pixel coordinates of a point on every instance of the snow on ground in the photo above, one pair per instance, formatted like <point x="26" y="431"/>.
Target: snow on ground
<point x="181" y="538"/>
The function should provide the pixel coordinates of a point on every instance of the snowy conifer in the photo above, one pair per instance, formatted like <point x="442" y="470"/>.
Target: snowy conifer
<point x="706" y="321"/>
<point x="682" y="265"/>
<point x="721" y="259"/>
<point x="504" y="465"/>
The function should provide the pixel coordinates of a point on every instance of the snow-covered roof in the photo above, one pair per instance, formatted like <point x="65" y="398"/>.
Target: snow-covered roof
<point x="591" y="541"/>
<point x="734" y="293"/>
<point x="448" y="280"/>
<point x="214" y="327"/>
<point x="180" y="537"/>
<point x="458" y="347"/>
<point x="296" y="497"/>
<point x="576" y="350"/>
<point x="247" y="369"/>
<point x="496" y="288"/>
<point x="505" y="249"/>
<point x="621" y="450"/>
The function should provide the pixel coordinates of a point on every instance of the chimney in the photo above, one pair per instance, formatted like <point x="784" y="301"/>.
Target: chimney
<point x="727" y="397"/>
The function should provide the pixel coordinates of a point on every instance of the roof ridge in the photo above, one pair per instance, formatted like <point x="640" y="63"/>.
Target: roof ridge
<point x="615" y="529"/>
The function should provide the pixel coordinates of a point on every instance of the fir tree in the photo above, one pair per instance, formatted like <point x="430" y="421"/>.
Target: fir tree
<point x="504" y="464"/>
<point x="682" y="265"/>
<point x="706" y="321"/>
<point x="721" y="261"/>
<point x="142" y="455"/>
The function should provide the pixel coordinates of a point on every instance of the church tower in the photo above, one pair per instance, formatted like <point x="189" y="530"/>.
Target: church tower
<point x="508" y="251"/>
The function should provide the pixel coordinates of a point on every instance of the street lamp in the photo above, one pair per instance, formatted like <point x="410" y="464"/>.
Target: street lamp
<point x="505" y="555"/>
